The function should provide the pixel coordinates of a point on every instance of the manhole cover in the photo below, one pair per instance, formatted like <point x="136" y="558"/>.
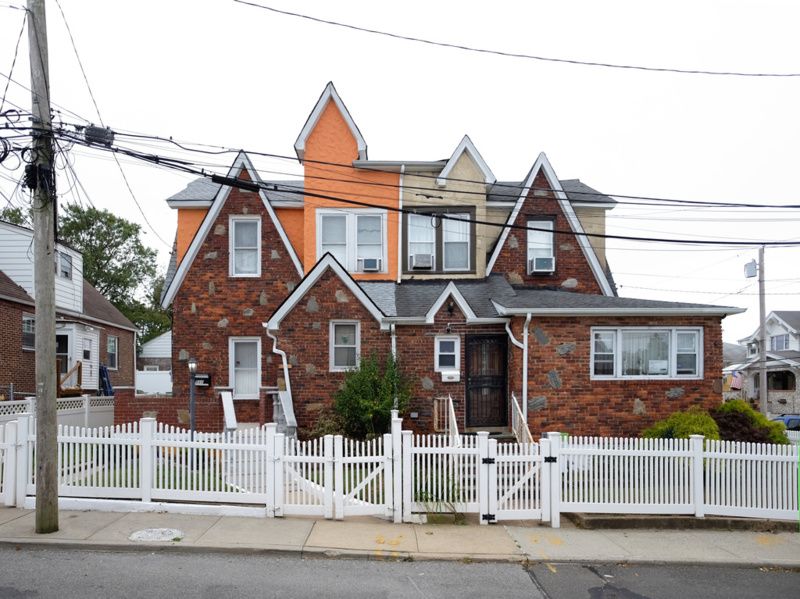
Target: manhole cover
<point x="157" y="534"/>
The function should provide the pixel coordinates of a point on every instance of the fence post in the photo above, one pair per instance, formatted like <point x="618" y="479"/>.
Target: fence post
<point x="491" y="470"/>
<point x="280" y="463"/>
<point x="483" y="476"/>
<point x="408" y="474"/>
<point x="86" y="405"/>
<point x="147" y="428"/>
<point x="544" y="478"/>
<point x="31" y="405"/>
<point x="23" y="465"/>
<point x="555" y="479"/>
<point x="388" y="476"/>
<point x="397" y="470"/>
<point x="10" y="464"/>
<point x="269" y="459"/>
<point x="334" y="485"/>
<point x="698" y="486"/>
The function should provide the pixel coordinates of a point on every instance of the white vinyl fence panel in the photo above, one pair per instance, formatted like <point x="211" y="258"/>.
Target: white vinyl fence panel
<point x="153" y="382"/>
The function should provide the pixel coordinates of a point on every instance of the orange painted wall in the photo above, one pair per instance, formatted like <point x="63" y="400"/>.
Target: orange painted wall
<point x="189" y="220"/>
<point x="292" y="221"/>
<point x="331" y="141"/>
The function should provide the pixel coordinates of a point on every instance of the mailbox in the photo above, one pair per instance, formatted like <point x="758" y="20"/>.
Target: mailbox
<point x="202" y="380"/>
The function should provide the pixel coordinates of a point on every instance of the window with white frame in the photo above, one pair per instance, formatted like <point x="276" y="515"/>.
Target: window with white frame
<point x="649" y="353"/>
<point x="244" y="374"/>
<point x="151" y="367"/>
<point x="355" y="237"/>
<point x="345" y="341"/>
<point x="779" y="342"/>
<point x="28" y="331"/>
<point x="455" y="238"/>
<point x="541" y="255"/>
<point x="245" y="246"/>
<point x="112" y="350"/>
<point x="65" y="265"/>
<point x="421" y="241"/>
<point x="447" y="353"/>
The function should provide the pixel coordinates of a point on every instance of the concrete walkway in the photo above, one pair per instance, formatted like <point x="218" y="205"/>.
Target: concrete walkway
<point x="378" y="539"/>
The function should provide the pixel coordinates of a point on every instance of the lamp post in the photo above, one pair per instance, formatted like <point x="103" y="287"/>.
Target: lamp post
<point x="192" y="370"/>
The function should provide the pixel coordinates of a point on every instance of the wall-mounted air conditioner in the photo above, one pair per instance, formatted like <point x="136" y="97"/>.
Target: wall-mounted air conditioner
<point x="541" y="265"/>
<point x="370" y="264"/>
<point x="420" y="261"/>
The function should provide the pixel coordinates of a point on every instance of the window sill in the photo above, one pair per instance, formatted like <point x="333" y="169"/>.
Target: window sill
<point x="249" y="276"/>
<point x="29" y="349"/>
<point x="646" y="378"/>
<point x="245" y="398"/>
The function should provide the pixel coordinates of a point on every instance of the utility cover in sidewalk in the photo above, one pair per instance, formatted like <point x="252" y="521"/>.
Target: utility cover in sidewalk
<point x="157" y="534"/>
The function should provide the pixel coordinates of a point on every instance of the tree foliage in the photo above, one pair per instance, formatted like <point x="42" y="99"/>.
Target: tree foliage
<point x="681" y="425"/>
<point x="16" y="216"/>
<point x="737" y="421"/>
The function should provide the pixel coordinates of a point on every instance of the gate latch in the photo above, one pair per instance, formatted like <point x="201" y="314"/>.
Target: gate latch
<point x="487" y="461"/>
<point x="488" y="517"/>
<point x="550" y="459"/>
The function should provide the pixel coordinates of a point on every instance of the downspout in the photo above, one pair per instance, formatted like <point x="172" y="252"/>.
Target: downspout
<point x="286" y="379"/>
<point x="524" y="347"/>
<point x="400" y="231"/>
<point x="394" y="357"/>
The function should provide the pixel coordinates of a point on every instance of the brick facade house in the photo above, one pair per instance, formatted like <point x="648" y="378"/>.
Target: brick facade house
<point x="484" y="290"/>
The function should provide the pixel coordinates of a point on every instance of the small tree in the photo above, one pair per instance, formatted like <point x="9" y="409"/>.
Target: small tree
<point x="367" y="397"/>
<point x="737" y="421"/>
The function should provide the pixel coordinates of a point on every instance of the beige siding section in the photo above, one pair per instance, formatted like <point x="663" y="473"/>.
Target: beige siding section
<point x="593" y="220"/>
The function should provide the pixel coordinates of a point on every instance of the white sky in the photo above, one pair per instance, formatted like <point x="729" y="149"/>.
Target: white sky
<point x="222" y="73"/>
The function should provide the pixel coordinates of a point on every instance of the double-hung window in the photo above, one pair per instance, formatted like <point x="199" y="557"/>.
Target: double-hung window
<point x="455" y="238"/>
<point x="28" y="331"/>
<point x="421" y="241"/>
<point x="541" y="255"/>
<point x="244" y="354"/>
<point x="112" y="350"/>
<point x="447" y="353"/>
<point x="440" y="240"/>
<point x="779" y="342"/>
<point x="356" y="238"/>
<point x="245" y="246"/>
<point x="646" y="353"/>
<point x="345" y="342"/>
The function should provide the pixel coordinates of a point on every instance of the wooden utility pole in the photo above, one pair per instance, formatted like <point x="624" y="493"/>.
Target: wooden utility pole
<point x="763" y="392"/>
<point x="41" y="178"/>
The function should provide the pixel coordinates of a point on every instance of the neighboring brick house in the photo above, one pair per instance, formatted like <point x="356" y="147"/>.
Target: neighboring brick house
<point x="462" y="276"/>
<point x="89" y="329"/>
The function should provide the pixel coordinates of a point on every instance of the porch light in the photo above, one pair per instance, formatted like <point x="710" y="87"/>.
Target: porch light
<point x="192" y="365"/>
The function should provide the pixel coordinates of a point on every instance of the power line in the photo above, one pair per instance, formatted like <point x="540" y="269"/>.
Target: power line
<point x="515" y="54"/>
<point x="14" y="60"/>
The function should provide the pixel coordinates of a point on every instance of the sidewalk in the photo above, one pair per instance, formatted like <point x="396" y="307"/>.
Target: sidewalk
<point x="377" y="539"/>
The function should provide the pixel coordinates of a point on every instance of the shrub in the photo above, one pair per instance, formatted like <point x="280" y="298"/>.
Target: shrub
<point x="328" y="423"/>
<point x="680" y="425"/>
<point x="737" y="421"/>
<point x="367" y="397"/>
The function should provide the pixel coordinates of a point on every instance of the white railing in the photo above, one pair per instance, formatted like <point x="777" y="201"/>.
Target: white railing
<point x="519" y="425"/>
<point x="452" y="423"/>
<point x="153" y="382"/>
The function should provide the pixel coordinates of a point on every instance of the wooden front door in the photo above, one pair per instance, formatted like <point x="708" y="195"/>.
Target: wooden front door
<point x="487" y="364"/>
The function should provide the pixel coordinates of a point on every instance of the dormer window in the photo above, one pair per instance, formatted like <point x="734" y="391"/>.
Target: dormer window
<point x="541" y="253"/>
<point x="355" y="237"/>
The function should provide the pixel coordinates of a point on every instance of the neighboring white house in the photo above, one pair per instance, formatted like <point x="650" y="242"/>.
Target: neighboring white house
<point x="154" y="365"/>
<point x="783" y="362"/>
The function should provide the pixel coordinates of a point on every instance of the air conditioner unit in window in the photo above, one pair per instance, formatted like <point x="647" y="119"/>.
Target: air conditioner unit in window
<point x="541" y="265"/>
<point x="370" y="264"/>
<point x="420" y="261"/>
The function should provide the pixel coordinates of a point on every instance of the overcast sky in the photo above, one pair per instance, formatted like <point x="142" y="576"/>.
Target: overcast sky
<point x="218" y="72"/>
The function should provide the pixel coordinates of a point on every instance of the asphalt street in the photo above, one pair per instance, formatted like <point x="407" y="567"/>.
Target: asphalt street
<point x="59" y="573"/>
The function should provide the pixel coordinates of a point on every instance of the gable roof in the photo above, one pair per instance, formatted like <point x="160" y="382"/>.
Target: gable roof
<point x="466" y="146"/>
<point x="10" y="290"/>
<point x="321" y="267"/>
<point x="329" y="94"/>
<point x="241" y="162"/>
<point x="577" y="192"/>
<point x="97" y="306"/>
<point x="790" y="319"/>
<point x="543" y="164"/>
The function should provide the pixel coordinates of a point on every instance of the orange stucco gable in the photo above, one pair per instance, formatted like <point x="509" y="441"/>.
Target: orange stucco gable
<point x="189" y="221"/>
<point x="330" y="150"/>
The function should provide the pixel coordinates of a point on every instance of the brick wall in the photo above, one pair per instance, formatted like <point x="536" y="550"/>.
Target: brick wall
<point x="124" y="375"/>
<point x="562" y="397"/>
<point x="162" y="363"/>
<point x="16" y="365"/>
<point x="572" y="268"/>
<point x="211" y="306"/>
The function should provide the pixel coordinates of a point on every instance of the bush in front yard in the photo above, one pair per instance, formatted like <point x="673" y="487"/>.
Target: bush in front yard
<point x="367" y="397"/>
<point x="737" y="421"/>
<point x="680" y="425"/>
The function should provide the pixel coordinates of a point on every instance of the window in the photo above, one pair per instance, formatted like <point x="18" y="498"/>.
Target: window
<point x="646" y="353"/>
<point x="781" y="380"/>
<point x="245" y="366"/>
<point x="28" y="331"/>
<point x="344" y="345"/>
<point x="62" y="353"/>
<point x="447" y="353"/>
<point x="421" y="240"/>
<point x="112" y="350"/>
<point x="456" y="242"/>
<point x="356" y="238"/>
<point x="151" y="367"/>
<point x="779" y="342"/>
<point x="752" y="349"/>
<point x="87" y="349"/>
<point x="65" y="265"/>
<point x="541" y="257"/>
<point x="245" y="246"/>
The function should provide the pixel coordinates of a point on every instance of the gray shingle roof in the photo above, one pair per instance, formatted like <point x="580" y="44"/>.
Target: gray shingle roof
<point x="97" y="306"/>
<point x="550" y="299"/>
<point x="204" y="190"/>
<point x="11" y="290"/>
<point x="577" y="191"/>
<point x="199" y="189"/>
<point x="790" y="317"/>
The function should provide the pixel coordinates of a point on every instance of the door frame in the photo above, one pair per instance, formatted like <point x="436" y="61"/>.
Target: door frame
<point x="504" y="344"/>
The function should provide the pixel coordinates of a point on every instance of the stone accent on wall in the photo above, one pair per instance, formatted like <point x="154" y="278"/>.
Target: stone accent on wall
<point x="564" y="349"/>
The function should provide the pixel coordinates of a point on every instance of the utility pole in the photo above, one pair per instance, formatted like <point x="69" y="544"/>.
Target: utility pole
<point x="763" y="392"/>
<point x="41" y="179"/>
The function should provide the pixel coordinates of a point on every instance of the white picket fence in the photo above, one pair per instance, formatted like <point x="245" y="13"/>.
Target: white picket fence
<point x="402" y="475"/>
<point x="86" y="410"/>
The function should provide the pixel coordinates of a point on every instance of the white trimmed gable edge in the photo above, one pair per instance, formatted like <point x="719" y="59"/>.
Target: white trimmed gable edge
<point x="467" y="146"/>
<point x="314" y="275"/>
<point x="771" y="316"/>
<point x="242" y="161"/>
<point x="542" y="163"/>
<point x="463" y="305"/>
<point x="328" y="94"/>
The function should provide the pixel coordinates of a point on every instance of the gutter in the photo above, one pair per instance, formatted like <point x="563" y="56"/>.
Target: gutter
<point x="708" y="311"/>
<point x="524" y="347"/>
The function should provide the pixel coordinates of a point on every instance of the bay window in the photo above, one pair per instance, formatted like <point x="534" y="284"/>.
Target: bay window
<point x="356" y="238"/>
<point x="646" y="353"/>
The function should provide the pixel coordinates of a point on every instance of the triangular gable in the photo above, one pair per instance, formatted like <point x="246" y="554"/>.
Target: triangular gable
<point x="463" y="305"/>
<point x="467" y="146"/>
<point x="242" y="162"/>
<point x="329" y="94"/>
<point x="314" y="275"/>
<point x="772" y="316"/>
<point x="543" y="164"/>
